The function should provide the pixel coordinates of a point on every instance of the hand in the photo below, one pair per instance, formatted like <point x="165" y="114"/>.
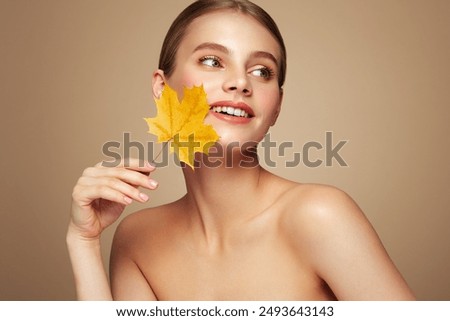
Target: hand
<point x="102" y="193"/>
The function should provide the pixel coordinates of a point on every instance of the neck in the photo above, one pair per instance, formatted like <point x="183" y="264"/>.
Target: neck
<point x="221" y="198"/>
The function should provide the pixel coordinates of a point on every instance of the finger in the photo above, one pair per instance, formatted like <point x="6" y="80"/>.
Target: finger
<point x="116" y="184"/>
<point x="130" y="176"/>
<point x="126" y="189"/>
<point x="86" y="195"/>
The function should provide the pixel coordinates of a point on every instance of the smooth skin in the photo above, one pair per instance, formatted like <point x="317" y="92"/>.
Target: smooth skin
<point x="239" y="233"/>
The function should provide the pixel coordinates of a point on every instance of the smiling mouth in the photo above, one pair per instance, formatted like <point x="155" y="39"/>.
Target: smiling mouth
<point x="232" y="111"/>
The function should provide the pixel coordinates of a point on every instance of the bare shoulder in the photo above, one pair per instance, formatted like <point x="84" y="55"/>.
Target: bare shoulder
<point x="319" y="215"/>
<point x="133" y="244"/>
<point x="322" y="204"/>
<point x="321" y="212"/>
<point x="332" y="233"/>
<point x="305" y="206"/>
<point x="139" y="226"/>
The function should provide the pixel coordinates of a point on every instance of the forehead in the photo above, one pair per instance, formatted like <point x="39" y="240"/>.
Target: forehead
<point x="232" y="29"/>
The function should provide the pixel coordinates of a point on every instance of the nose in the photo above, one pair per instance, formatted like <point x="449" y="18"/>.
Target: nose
<point x="238" y="82"/>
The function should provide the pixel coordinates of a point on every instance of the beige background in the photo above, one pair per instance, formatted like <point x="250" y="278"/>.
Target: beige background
<point x="76" y="74"/>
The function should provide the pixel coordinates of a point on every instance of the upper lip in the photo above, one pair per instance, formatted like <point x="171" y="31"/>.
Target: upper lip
<point x="235" y="104"/>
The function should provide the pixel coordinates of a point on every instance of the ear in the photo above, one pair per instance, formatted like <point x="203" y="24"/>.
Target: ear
<point x="277" y="111"/>
<point x="158" y="82"/>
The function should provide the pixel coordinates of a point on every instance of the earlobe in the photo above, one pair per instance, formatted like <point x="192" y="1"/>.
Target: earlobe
<point x="158" y="82"/>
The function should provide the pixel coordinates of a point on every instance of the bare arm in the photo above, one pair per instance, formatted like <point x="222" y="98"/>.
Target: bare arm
<point x="91" y="281"/>
<point x="348" y="254"/>
<point x="98" y="200"/>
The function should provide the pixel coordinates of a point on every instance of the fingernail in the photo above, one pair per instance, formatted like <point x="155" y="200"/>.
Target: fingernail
<point x="143" y="197"/>
<point x="127" y="199"/>
<point x="150" y="165"/>
<point x="153" y="183"/>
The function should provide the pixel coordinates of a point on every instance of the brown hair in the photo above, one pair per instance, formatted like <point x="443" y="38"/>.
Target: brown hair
<point x="177" y="30"/>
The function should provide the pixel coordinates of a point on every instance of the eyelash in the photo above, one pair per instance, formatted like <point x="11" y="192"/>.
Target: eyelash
<point x="215" y="58"/>
<point x="270" y="72"/>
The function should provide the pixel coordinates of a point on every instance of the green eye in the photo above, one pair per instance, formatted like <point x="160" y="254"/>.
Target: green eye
<point x="211" y="61"/>
<point x="265" y="73"/>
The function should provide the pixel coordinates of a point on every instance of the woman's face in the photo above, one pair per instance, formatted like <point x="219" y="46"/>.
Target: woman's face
<point x="236" y="60"/>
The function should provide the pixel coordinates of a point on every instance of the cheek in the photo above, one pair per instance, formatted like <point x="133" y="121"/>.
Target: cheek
<point x="183" y="78"/>
<point x="269" y="100"/>
<point x="190" y="77"/>
<point x="189" y="80"/>
<point x="211" y="83"/>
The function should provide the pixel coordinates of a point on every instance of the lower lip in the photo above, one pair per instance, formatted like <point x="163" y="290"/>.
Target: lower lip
<point x="231" y="119"/>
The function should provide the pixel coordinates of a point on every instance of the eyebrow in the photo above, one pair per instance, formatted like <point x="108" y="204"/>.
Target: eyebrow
<point x="266" y="55"/>
<point x="213" y="46"/>
<point x="225" y="50"/>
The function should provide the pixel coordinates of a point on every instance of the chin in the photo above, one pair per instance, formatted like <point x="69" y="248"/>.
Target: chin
<point x="235" y="141"/>
<point x="236" y="136"/>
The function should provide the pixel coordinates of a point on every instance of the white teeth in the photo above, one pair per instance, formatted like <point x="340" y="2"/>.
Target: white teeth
<point x="230" y="111"/>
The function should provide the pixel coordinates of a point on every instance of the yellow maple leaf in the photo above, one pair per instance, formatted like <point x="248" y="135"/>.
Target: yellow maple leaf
<point x="181" y="124"/>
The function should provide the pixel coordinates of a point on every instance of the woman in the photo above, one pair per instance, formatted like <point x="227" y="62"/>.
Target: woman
<point x="240" y="232"/>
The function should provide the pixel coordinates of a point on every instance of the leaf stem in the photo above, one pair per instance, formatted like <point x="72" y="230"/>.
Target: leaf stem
<point x="162" y="148"/>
